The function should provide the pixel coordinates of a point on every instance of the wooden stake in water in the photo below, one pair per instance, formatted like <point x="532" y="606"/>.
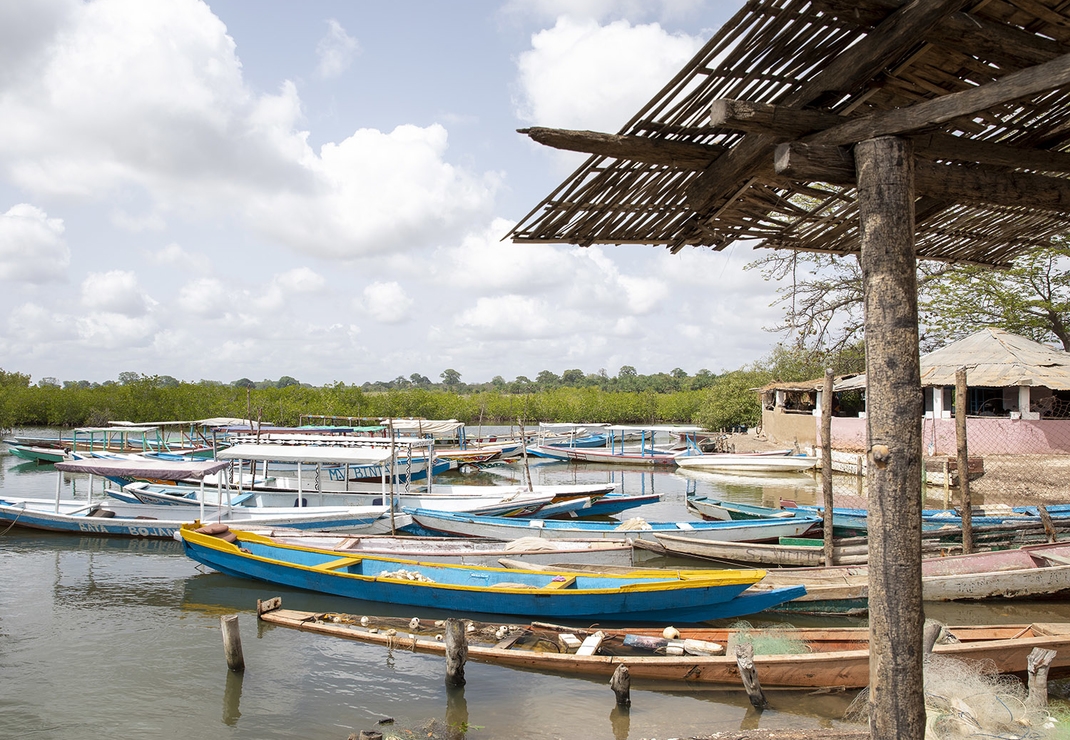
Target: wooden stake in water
<point x="456" y="652"/>
<point x="232" y="642"/>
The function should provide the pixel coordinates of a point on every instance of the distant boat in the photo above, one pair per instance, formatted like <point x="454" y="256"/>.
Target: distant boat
<point x="702" y="596"/>
<point x="110" y="517"/>
<point x="722" y="510"/>
<point x="748" y="463"/>
<point x="505" y="528"/>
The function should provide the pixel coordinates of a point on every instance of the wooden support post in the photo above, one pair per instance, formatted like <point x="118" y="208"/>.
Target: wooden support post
<point x="826" y="466"/>
<point x="749" y="674"/>
<point x="963" y="463"/>
<point x="1037" y="665"/>
<point x="894" y="408"/>
<point x="1049" y="526"/>
<point x="232" y="642"/>
<point x="621" y="683"/>
<point x="456" y="652"/>
<point x="931" y="635"/>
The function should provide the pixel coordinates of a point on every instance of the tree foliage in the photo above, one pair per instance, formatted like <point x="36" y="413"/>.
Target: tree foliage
<point x="1031" y="298"/>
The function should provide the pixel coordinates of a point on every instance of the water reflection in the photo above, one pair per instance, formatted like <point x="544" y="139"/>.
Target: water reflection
<point x="620" y="721"/>
<point x="232" y="698"/>
<point x="456" y="711"/>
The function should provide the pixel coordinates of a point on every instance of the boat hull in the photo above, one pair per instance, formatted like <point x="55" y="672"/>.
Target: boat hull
<point x="500" y="591"/>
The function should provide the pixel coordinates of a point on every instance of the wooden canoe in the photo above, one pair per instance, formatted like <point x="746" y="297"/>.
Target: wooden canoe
<point x="836" y="657"/>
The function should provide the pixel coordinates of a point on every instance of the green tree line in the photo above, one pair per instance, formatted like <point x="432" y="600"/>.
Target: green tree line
<point x="714" y="401"/>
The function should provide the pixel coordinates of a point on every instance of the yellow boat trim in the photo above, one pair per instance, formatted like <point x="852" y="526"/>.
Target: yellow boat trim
<point x="709" y="578"/>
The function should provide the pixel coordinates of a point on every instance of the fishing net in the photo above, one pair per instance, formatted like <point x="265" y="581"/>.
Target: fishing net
<point x="972" y="700"/>
<point x="781" y="639"/>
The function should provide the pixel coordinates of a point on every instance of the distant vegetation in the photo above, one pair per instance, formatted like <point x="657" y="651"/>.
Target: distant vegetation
<point x="712" y="400"/>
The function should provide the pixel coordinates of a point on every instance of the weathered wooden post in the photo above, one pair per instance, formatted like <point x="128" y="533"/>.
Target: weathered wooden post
<point x="1037" y="665"/>
<point x="963" y="462"/>
<point x="232" y="642"/>
<point x="826" y="465"/>
<point x="749" y="674"/>
<point x="621" y="683"/>
<point x="456" y="652"/>
<point x="885" y="186"/>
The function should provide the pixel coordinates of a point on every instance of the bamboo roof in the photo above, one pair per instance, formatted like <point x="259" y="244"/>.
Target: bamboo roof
<point x="752" y="139"/>
<point x="993" y="358"/>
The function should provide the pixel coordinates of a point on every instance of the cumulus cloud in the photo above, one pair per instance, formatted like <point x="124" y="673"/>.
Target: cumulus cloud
<point x="33" y="324"/>
<point x="174" y="255"/>
<point x="601" y="9"/>
<point x="387" y="303"/>
<point x="116" y="292"/>
<point x="122" y="95"/>
<point x="206" y="297"/>
<point x="32" y="248"/>
<point x="623" y="66"/>
<point x="286" y="285"/>
<point x="335" y="51"/>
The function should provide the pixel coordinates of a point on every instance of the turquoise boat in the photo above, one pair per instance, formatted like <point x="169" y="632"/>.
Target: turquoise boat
<point x="679" y="597"/>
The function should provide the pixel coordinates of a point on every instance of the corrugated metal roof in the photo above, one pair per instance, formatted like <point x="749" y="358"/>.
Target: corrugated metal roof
<point x="994" y="358"/>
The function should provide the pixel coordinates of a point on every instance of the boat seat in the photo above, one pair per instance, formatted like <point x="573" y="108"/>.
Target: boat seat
<point x="684" y="525"/>
<point x="536" y="523"/>
<point x="556" y="585"/>
<point x="336" y="564"/>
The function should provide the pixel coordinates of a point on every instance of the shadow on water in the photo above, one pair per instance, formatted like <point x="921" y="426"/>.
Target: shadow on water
<point x="232" y="698"/>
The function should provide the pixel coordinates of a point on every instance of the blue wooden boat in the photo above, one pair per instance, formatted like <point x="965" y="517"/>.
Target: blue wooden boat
<point x="693" y="596"/>
<point x="849" y="522"/>
<point x="723" y="510"/>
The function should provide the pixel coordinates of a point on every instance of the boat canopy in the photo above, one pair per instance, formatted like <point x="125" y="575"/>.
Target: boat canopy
<point x="144" y="468"/>
<point x="667" y="428"/>
<point x="306" y="454"/>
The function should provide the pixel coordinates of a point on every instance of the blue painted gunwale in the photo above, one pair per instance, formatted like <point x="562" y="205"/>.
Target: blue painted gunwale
<point x="699" y="596"/>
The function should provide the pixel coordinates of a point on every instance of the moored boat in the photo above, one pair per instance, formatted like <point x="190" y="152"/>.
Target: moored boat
<point x="504" y="528"/>
<point x="827" y="658"/>
<point x="703" y="595"/>
<point x="748" y="463"/>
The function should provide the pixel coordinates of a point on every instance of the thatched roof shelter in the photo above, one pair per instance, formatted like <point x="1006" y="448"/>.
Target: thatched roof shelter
<point x="699" y="165"/>
<point x="894" y="129"/>
<point x="994" y="358"/>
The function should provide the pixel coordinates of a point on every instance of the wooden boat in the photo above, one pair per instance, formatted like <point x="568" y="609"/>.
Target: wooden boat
<point x="746" y="553"/>
<point x="1032" y="572"/>
<point x="748" y="463"/>
<point x="463" y="550"/>
<point x="724" y="511"/>
<point x="505" y="528"/>
<point x="701" y="596"/>
<point x="834" y="657"/>
<point x="853" y="521"/>
<point x="42" y="455"/>
<point x="509" y="502"/>
<point x="620" y="447"/>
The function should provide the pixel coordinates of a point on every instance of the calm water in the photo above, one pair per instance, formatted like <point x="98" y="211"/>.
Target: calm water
<point x="120" y="638"/>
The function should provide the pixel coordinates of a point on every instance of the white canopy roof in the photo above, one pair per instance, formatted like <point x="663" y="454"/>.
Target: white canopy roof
<point x="143" y="468"/>
<point x="305" y="454"/>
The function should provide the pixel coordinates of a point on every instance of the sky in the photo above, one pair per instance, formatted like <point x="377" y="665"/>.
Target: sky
<point x="227" y="189"/>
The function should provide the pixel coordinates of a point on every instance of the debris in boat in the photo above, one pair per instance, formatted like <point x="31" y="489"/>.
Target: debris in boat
<point x="414" y="623"/>
<point x="637" y="522"/>
<point x="966" y="699"/>
<point x="406" y="575"/>
<point x="670" y="633"/>
<point x="776" y="640"/>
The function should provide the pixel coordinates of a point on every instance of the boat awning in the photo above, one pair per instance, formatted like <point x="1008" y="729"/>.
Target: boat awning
<point x="306" y="454"/>
<point x="672" y="429"/>
<point x="146" y="468"/>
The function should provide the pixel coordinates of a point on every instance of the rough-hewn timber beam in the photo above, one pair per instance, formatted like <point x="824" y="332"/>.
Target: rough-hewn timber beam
<point x="956" y="183"/>
<point x="1015" y="86"/>
<point x="898" y="33"/>
<point x="786" y="124"/>
<point x="986" y="38"/>
<point x="682" y="154"/>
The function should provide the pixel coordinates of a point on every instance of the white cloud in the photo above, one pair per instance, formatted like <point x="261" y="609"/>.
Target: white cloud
<point x="116" y="292"/>
<point x="387" y="303"/>
<point x="31" y="324"/>
<point x="335" y="51"/>
<point x="149" y="100"/>
<point x="600" y="9"/>
<point x="206" y="297"/>
<point x="511" y="316"/>
<point x="174" y="255"/>
<point x="622" y="65"/>
<point x="32" y="247"/>
<point x="285" y="286"/>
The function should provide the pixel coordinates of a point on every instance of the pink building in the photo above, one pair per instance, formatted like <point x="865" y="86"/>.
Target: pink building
<point x="1018" y="400"/>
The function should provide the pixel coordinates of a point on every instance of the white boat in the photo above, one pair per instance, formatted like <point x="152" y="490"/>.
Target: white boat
<point x="465" y="550"/>
<point x="749" y="463"/>
<point x="145" y="520"/>
<point x="506" y="528"/>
